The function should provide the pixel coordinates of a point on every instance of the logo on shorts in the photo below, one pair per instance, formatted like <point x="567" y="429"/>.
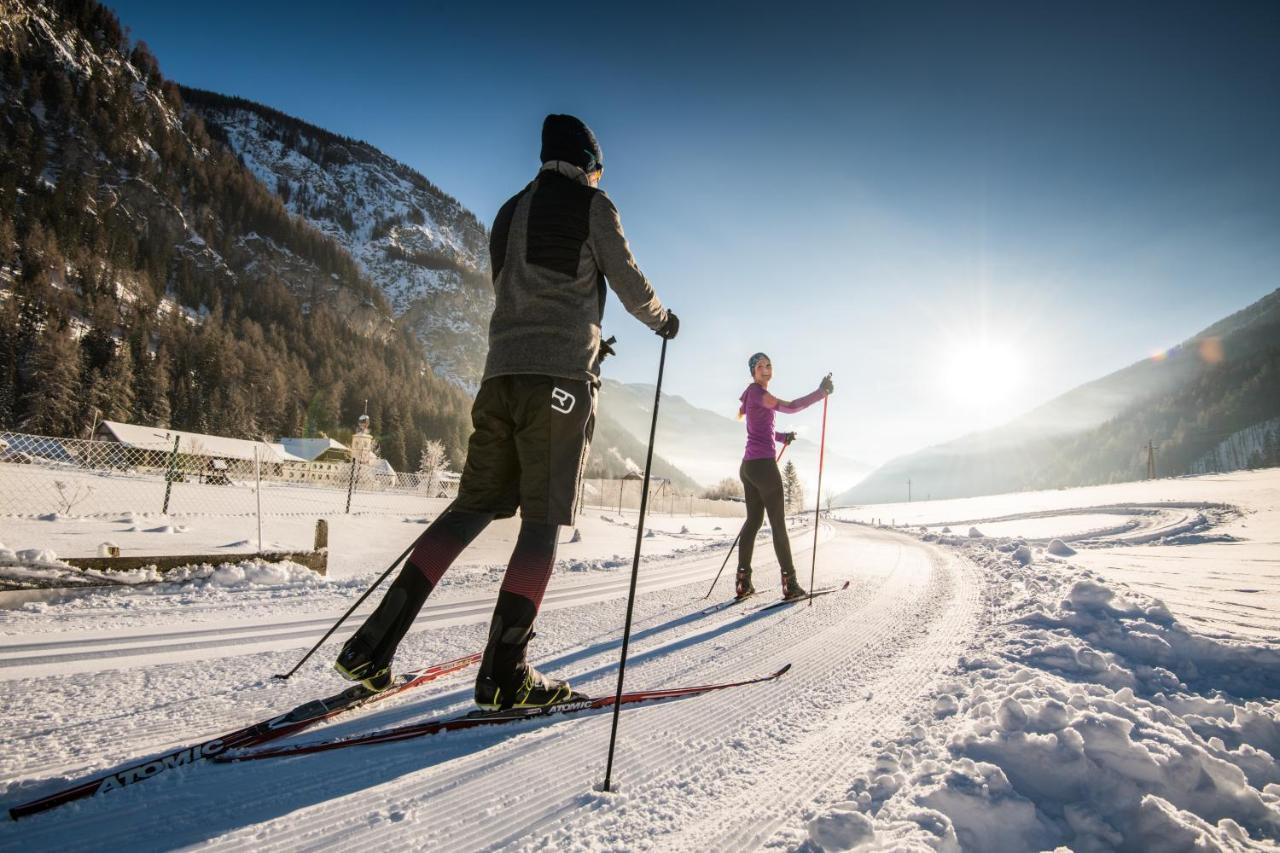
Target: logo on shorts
<point x="562" y="401"/>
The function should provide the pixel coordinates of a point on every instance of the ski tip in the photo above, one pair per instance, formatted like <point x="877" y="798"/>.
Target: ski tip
<point x="782" y="671"/>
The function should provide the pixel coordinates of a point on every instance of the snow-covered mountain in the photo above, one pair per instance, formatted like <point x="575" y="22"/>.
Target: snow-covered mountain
<point x="148" y="276"/>
<point x="427" y="252"/>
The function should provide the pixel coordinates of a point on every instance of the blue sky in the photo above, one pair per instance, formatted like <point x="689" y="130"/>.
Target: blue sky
<point x="961" y="210"/>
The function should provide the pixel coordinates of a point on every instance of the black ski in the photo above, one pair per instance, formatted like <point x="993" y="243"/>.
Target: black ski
<point x="476" y="719"/>
<point x="817" y="593"/>
<point x="725" y="605"/>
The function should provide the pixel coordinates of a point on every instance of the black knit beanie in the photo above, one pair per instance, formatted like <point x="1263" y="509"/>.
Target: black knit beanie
<point x="567" y="138"/>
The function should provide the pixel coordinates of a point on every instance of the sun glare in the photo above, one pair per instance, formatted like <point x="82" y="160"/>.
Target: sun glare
<point x="984" y="371"/>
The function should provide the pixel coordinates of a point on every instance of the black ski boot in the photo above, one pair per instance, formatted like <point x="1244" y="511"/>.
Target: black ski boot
<point x="742" y="587"/>
<point x="791" y="589"/>
<point x="366" y="656"/>
<point x="506" y="680"/>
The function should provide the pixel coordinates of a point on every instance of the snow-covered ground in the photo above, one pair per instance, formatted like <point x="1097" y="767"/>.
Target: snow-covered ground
<point x="1228" y="584"/>
<point x="972" y="693"/>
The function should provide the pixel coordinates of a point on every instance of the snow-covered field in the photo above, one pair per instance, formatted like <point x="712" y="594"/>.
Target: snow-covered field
<point x="972" y="693"/>
<point x="1228" y="584"/>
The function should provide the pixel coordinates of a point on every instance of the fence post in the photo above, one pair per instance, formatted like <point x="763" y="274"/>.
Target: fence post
<point x="170" y="474"/>
<point x="257" y="476"/>
<point x="352" y="486"/>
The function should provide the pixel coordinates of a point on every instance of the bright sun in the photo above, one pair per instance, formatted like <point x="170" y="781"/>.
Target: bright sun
<point x="983" y="372"/>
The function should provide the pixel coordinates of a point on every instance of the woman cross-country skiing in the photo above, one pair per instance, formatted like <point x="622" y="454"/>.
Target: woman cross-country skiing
<point x="761" y="481"/>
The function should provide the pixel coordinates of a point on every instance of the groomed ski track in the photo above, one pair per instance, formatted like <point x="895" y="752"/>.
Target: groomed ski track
<point x="739" y="769"/>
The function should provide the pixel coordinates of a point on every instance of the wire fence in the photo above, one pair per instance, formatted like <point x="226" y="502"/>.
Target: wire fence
<point x="45" y="477"/>
<point x="664" y="499"/>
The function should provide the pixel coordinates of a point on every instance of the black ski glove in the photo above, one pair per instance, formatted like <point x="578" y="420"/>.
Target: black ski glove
<point x="606" y="348"/>
<point x="826" y="386"/>
<point x="669" y="329"/>
<point x="787" y="438"/>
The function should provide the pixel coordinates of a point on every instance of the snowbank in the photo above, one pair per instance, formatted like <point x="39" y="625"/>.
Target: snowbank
<point x="1086" y="718"/>
<point x="31" y="558"/>
<point x="1060" y="549"/>
<point x="245" y="574"/>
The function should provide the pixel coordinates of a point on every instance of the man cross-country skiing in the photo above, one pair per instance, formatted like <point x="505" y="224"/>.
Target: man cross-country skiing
<point x="761" y="481"/>
<point x="551" y="249"/>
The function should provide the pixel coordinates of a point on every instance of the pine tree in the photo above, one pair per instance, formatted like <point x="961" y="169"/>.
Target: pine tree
<point x="51" y="402"/>
<point x="8" y="364"/>
<point x="392" y="443"/>
<point x="792" y="490"/>
<point x="117" y="386"/>
<point x="151" y="391"/>
<point x="8" y="240"/>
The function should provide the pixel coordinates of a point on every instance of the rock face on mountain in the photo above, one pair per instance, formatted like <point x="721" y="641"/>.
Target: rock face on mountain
<point x="427" y="253"/>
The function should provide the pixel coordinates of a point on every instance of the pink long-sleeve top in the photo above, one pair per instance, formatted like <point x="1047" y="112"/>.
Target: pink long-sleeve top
<point x="761" y="436"/>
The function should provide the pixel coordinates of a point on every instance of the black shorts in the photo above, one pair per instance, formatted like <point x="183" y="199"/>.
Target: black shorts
<point x="532" y="435"/>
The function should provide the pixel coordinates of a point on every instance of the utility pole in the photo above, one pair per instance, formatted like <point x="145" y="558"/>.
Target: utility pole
<point x="908" y="490"/>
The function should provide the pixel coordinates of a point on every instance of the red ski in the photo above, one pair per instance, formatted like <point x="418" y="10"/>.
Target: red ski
<point x="475" y="719"/>
<point x="302" y="717"/>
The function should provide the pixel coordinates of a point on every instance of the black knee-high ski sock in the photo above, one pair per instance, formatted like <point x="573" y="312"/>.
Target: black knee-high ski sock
<point x="528" y="573"/>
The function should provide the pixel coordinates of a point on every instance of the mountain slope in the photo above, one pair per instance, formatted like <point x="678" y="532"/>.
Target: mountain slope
<point x="1221" y="380"/>
<point x="427" y="252"/>
<point x="146" y="275"/>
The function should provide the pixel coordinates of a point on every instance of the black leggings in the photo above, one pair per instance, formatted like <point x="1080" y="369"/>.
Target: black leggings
<point x="762" y="484"/>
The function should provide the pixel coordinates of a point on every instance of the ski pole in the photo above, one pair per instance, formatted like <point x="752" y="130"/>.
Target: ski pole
<point x="737" y="538"/>
<point x="635" y="566"/>
<point x="817" y="505"/>
<point x="376" y="584"/>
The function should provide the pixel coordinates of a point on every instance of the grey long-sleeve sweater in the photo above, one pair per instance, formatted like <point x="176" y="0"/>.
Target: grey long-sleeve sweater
<point x="553" y="246"/>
